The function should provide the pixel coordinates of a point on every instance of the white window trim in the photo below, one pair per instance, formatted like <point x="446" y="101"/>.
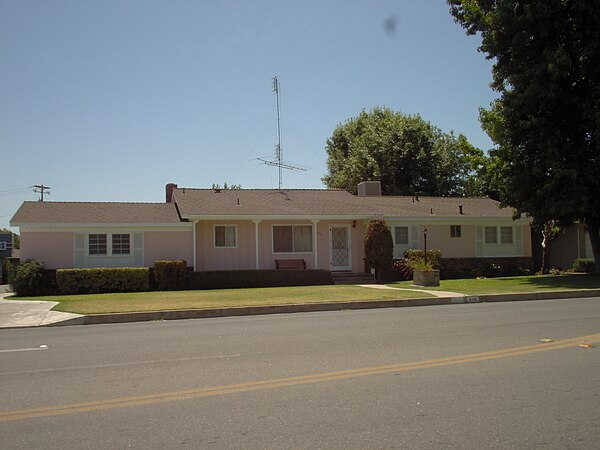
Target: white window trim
<point x="499" y="235"/>
<point x="225" y="247"/>
<point x="312" y="230"/>
<point x="407" y="235"/>
<point x="458" y="227"/>
<point x="109" y="252"/>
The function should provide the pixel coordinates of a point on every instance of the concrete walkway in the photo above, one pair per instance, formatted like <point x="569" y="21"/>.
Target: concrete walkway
<point x="434" y="293"/>
<point x="22" y="313"/>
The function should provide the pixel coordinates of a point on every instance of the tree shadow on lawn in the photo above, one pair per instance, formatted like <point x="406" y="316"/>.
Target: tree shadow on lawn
<point x="574" y="281"/>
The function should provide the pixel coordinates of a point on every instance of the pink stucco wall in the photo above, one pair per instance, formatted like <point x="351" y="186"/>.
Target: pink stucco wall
<point x="438" y="238"/>
<point x="56" y="250"/>
<point x="215" y="258"/>
<point x="168" y="245"/>
<point x="243" y="256"/>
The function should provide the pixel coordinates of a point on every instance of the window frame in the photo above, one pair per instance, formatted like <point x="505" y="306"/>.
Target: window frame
<point x="455" y="231"/>
<point x="225" y="226"/>
<point x="512" y="235"/>
<point x="89" y="244"/>
<point x="499" y="240"/>
<point x="113" y="244"/>
<point x="293" y="252"/>
<point x="109" y="245"/>
<point x="407" y="235"/>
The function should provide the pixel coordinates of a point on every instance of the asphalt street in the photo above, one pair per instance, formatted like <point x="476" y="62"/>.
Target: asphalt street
<point x="502" y="375"/>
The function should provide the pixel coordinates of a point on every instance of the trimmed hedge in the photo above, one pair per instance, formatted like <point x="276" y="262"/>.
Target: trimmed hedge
<point x="170" y="275"/>
<point x="103" y="280"/>
<point x="228" y="279"/>
<point x="585" y="265"/>
<point x="485" y="267"/>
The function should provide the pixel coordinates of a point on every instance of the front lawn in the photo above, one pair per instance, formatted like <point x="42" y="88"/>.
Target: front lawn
<point x="513" y="284"/>
<point x="222" y="298"/>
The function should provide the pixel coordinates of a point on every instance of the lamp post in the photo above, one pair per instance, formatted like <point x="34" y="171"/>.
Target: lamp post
<point x="425" y="245"/>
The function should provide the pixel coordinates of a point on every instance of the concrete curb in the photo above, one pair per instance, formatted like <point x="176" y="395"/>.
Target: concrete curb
<point x="316" y="307"/>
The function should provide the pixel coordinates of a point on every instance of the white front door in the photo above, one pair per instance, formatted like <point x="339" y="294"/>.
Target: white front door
<point x="339" y="240"/>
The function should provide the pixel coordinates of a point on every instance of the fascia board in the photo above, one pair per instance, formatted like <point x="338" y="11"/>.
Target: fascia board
<point x="79" y="225"/>
<point x="197" y="218"/>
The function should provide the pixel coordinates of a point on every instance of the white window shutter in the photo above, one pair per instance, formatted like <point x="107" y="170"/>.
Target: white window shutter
<point x="519" y="240"/>
<point x="414" y="236"/>
<point x="479" y="242"/>
<point x="79" y="255"/>
<point x="138" y="249"/>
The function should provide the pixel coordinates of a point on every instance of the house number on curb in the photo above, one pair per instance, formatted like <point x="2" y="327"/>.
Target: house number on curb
<point x="471" y="299"/>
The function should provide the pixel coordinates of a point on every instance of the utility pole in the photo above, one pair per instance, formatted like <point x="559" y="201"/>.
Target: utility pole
<point x="41" y="189"/>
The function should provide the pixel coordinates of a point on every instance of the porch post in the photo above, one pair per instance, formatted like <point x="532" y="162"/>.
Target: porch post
<point x="315" y="246"/>
<point x="256" y="222"/>
<point x="194" y="244"/>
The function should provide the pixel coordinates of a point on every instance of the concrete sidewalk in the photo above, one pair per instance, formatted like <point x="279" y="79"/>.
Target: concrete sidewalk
<point x="21" y="313"/>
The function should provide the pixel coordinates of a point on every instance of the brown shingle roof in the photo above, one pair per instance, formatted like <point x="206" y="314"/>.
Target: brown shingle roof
<point x="269" y="202"/>
<point x="390" y="206"/>
<point x="323" y="202"/>
<point x="95" y="212"/>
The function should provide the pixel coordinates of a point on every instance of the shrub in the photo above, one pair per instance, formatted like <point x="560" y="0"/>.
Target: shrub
<point x="28" y="278"/>
<point x="170" y="275"/>
<point x="584" y="265"/>
<point x="415" y="259"/>
<point x="228" y="279"/>
<point x="379" y="246"/>
<point x="102" y="280"/>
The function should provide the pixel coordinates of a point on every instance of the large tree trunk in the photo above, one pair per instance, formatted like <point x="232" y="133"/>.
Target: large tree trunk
<point x="594" y="233"/>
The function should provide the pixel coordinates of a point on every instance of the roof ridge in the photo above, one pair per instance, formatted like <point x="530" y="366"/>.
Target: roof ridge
<point x="95" y="203"/>
<point x="261" y="189"/>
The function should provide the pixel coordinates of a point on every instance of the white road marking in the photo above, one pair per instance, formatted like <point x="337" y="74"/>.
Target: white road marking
<point x="13" y="350"/>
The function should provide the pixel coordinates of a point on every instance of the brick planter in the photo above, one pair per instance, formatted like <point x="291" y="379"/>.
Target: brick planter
<point x="426" y="277"/>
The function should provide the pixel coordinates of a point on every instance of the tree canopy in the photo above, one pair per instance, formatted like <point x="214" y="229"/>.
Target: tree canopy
<point x="406" y="153"/>
<point x="546" y="123"/>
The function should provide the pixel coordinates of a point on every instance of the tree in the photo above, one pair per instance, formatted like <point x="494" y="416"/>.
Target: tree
<point x="546" y="123"/>
<point x="226" y="186"/>
<point x="406" y="153"/>
<point x="379" y="246"/>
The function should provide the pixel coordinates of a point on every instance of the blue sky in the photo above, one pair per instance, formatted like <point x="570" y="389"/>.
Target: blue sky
<point x="110" y="100"/>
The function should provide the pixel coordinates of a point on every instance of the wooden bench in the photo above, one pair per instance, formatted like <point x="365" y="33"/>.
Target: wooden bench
<point x="290" y="264"/>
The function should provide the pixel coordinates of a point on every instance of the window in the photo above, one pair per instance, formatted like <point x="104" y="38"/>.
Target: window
<point x="401" y="235"/>
<point x="491" y="235"/>
<point x="506" y="235"/>
<point x="97" y="244"/>
<point x="292" y="239"/>
<point x="455" y="231"/>
<point x="120" y="244"/>
<point x="225" y="236"/>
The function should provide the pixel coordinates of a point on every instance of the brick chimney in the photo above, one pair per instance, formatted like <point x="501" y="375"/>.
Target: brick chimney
<point x="169" y="191"/>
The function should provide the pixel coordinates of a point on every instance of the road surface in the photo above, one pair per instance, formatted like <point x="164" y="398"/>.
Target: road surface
<point x="463" y="376"/>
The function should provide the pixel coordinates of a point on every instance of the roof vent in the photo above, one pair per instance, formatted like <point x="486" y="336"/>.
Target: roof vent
<point x="217" y="190"/>
<point x="460" y="210"/>
<point x="369" y="189"/>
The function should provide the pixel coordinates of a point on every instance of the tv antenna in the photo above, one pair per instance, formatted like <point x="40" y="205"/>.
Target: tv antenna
<point x="278" y="162"/>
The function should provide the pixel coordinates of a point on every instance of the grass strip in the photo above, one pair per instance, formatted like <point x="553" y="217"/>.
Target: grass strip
<point x="221" y="298"/>
<point x="506" y="285"/>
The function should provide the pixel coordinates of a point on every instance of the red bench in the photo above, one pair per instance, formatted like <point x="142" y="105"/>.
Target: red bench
<point x="290" y="264"/>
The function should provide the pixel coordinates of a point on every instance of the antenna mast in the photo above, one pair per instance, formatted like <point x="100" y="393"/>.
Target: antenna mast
<point x="278" y="151"/>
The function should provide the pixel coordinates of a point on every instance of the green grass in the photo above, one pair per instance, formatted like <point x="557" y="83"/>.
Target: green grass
<point x="223" y="298"/>
<point x="513" y="284"/>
